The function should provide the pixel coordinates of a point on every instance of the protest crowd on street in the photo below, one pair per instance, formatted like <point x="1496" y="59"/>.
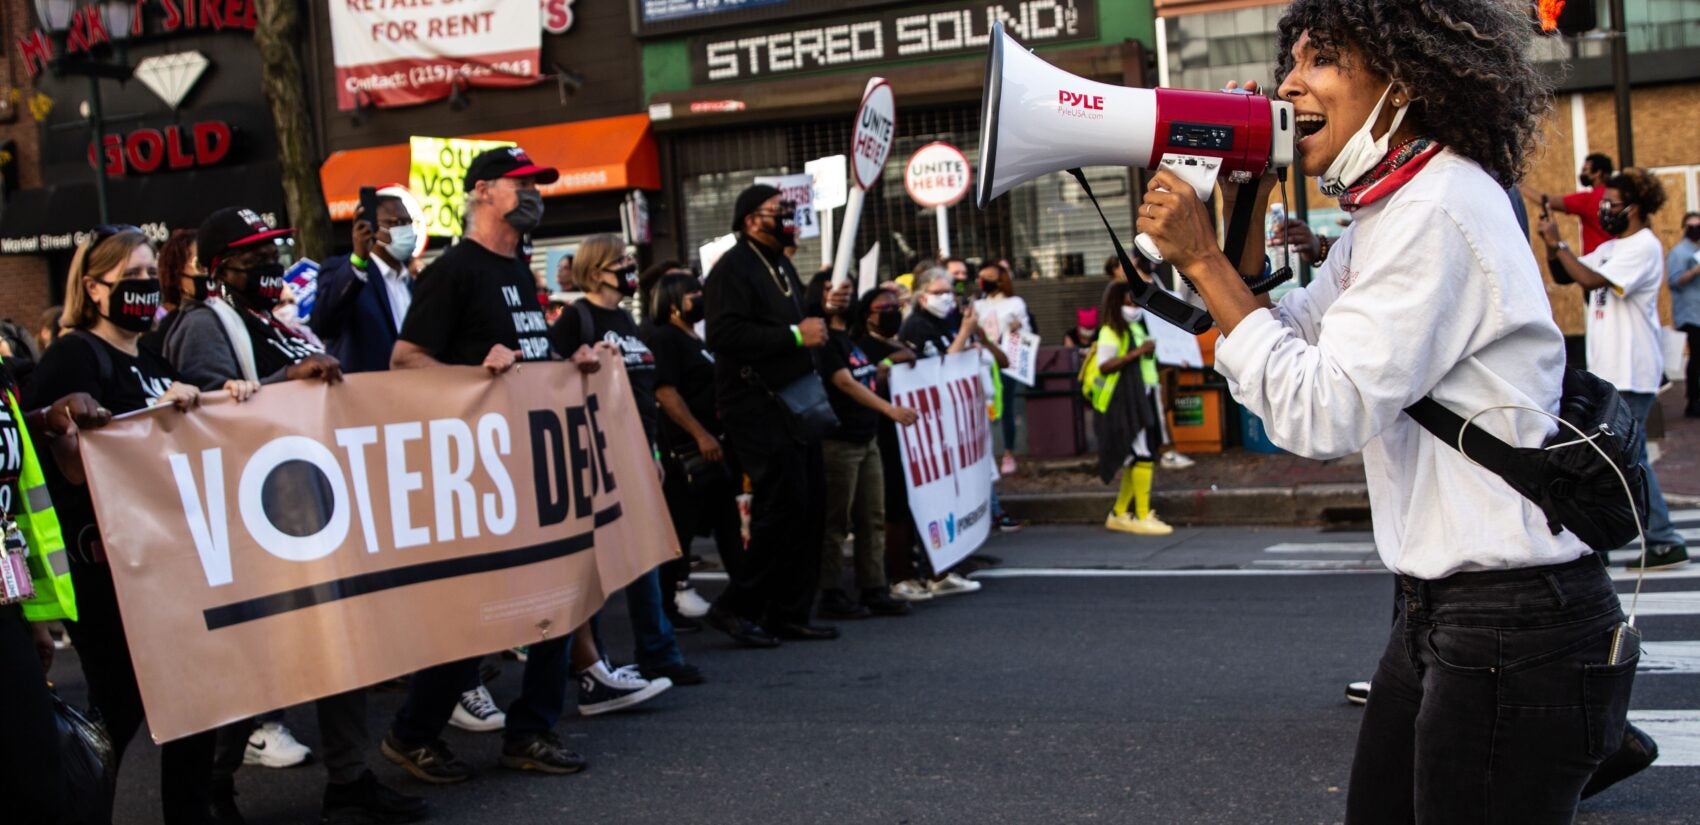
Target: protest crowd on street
<point x="272" y="462"/>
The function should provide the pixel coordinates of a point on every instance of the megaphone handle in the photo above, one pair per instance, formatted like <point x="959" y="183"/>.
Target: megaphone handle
<point x="1148" y="248"/>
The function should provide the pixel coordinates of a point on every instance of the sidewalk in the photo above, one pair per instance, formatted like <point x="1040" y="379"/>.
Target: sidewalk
<point x="1238" y="487"/>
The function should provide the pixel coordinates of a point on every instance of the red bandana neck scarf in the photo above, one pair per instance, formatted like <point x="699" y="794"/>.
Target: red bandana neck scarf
<point x="1402" y="163"/>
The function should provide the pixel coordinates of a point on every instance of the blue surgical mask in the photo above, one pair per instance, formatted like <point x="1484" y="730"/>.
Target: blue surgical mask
<point x="403" y="241"/>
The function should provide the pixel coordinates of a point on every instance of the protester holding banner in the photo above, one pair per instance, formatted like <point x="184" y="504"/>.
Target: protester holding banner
<point x="608" y="275"/>
<point x="1120" y="382"/>
<point x="111" y="293"/>
<point x="477" y="306"/>
<point x="700" y="473"/>
<point x="236" y="335"/>
<point x="364" y="296"/>
<point x="855" y="475"/>
<point x="762" y="343"/>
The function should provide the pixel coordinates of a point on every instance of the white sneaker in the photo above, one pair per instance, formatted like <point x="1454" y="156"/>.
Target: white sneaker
<point x="601" y="690"/>
<point x="910" y="591"/>
<point x="477" y="712"/>
<point x="1358" y="693"/>
<point x="1175" y="461"/>
<point x="272" y="745"/>
<point x="691" y="605"/>
<point x="951" y="585"/>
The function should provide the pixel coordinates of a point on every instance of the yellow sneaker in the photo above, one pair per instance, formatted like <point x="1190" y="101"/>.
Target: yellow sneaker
<point x="1148" y="526"/>
<point x="1120" y="522"/>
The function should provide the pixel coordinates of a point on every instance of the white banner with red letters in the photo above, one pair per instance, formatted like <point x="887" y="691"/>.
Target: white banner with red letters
<point x="405" y="52"/>
<point x="947" y="454"/>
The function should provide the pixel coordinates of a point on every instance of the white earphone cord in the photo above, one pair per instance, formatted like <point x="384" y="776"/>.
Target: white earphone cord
<point x="1640" y="534"/>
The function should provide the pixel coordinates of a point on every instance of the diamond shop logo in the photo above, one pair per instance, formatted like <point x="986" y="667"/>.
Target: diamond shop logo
<point x="172" y="76"/>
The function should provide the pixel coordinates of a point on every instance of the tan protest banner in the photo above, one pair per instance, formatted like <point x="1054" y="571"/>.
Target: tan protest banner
<point x="317" y="538"/>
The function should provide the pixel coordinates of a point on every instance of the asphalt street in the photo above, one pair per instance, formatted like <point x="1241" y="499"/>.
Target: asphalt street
<point x="1096" y="678"/>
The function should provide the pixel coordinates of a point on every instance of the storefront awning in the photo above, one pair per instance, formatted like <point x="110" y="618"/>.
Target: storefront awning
<point x="611" y="153"/>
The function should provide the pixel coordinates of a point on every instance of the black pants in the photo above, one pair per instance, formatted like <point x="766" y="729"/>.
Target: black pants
<point x="773" y="580"/>
<point x="30" y="771"/>
<point x="433" y="692"/>
<point x="1493" y="702"/>
<point x="343" y="737"/>
<point x="98" y="634"/>
<point x="710" y="508"/>
<point x="1693" y="374"/>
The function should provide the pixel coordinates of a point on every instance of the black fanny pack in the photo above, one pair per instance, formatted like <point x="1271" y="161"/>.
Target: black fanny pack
<point x="809" y="415"/>
<point x="1576" y="487"/>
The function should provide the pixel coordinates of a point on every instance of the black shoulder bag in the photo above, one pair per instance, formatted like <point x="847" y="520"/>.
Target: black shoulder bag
<point x="1578" y="475"/>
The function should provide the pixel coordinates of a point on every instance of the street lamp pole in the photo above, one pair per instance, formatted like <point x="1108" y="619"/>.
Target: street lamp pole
<point x="57" y="16"/>
<point x="1620" y="85"/>
<point x="96" y="126"/>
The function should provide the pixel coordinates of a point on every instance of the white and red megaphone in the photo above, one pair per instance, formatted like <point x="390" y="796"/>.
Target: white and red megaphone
<point x="1037" y="119"/>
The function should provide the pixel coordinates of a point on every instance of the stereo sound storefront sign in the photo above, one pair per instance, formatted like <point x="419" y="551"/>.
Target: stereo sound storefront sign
<point x="898" y="34"/>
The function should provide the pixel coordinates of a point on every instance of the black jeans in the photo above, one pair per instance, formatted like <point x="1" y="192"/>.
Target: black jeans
<point x="343" y="737"/>
<point x="185" y="764"/>
<point x="433" y="692"/>
<point x="774" y="579"/>
<point x="30" y="771"/>
<point x="1493" y="702"/>
<point x="711" y="507"/>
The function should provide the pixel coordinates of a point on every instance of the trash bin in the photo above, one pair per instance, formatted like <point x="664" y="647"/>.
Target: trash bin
<point x="1252" y="435"/>
<point x="1195" y="414"/>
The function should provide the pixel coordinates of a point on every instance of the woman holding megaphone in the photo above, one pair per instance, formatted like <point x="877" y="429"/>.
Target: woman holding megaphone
<point x="1494" y="700"/>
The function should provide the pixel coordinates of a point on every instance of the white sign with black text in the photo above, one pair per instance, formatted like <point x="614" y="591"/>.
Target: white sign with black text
<point x="946" y="455"/>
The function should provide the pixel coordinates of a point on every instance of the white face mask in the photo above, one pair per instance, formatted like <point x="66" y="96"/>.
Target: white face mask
<point x="1361" y="153"/>
<point x="403" y="240"/>
<point x="1132" y="314"/>
<point x="939" y="305"/>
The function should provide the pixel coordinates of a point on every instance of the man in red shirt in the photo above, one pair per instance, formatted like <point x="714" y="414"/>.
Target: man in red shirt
<point x="1585" y="205"/>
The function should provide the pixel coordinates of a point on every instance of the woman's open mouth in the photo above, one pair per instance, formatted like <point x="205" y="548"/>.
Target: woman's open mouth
<point x="1307" y="124"/>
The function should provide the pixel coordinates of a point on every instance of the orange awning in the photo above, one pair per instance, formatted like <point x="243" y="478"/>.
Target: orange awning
<point x="610" y="153"/>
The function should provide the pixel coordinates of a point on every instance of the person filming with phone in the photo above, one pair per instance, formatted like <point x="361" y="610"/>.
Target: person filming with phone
<point x="1494" y="701"/>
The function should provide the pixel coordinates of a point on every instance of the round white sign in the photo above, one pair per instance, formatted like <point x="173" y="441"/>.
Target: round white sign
<point x="937" y="175"/>
<point x="876" y="128"/>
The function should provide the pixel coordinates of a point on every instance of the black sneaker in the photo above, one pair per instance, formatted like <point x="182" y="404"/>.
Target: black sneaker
<point x="1007" y="523"/>
<point x="834" y="604"/>
<point x="879" y="602"/>
<point x="1637" y="752"/>
<point x="1357" y="693"/>
<point x="366" y="800"/>
<point x="681" y="674"/>
<point x="1661" y="557"/>
<point x="432" y="762"/>
<point x="541" y="752"/>
<point x="221" y="804"/>
<point x="683" y="624"/>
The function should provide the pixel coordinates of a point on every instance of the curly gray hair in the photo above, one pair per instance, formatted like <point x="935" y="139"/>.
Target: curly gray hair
<point x="1464" y="63"/>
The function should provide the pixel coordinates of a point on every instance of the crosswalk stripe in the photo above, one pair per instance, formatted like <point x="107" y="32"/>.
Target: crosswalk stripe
<point x="1670" y="657"/>
<point x="1627" y="574"/>
<point x="1357" y="547"/>
<point x="1677" y="732"/>
<point x="1674" y="603"/>
<point x="1680" y="516"/>
<point x="1689" y="533"/>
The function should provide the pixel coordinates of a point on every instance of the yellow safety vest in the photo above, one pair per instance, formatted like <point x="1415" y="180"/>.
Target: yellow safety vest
<point x="1099" y="387"/>
<point x="49" y="566"/>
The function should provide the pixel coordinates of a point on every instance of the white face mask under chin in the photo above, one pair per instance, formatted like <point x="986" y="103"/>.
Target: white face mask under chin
<point x="1361" y="152"/>
<point x="1132" y="314"/>
<point x="939" y="305"/>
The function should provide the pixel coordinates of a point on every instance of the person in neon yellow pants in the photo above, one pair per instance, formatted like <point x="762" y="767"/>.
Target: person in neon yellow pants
<point x="1120" y="381"/>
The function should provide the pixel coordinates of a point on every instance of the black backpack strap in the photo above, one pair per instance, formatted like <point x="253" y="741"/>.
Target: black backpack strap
<point x="586" y="324"/>
<point x="1445" y="424"/>
<point x="100" y="355"/>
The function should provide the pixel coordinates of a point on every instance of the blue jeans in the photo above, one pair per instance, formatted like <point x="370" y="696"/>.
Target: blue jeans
<point x="650" y="627"/>
<point x="1660" y="532"/>
<point x="1493" y="701"/>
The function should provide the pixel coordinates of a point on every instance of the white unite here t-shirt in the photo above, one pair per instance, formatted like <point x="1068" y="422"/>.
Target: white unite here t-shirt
<point x="1623" y="318"/>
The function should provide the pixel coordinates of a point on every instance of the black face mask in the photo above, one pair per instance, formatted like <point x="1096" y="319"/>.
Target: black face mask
<point x="264" y="288"/>
<point x="625" y="280"/>
<point x="1692" y="232"/>
<point x="695" y="313"/>
<point x="1587" y="183"/>
<point x="527" y="213"/>
<point x="990" y="287"/>
<point x="888" y="322"/>
<point x="201" y="287"/>
<point x="133" y="304"/>
<point x="1614" y="223"/>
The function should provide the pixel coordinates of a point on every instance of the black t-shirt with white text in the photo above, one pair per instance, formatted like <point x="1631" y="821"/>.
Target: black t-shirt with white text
<point x="683" y="362"/>
<point x="11" y="449"/>
<point x="856" y="423"/>
<point x="613" y="326"/>
<point x="472" y="299"/>
<point x="130" y="383"/>
<point x="928" y="335"/>
<point x="276" y="347"/>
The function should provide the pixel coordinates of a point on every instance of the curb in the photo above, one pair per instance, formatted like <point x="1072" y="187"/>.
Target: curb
<point x="1305" y="504"/>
